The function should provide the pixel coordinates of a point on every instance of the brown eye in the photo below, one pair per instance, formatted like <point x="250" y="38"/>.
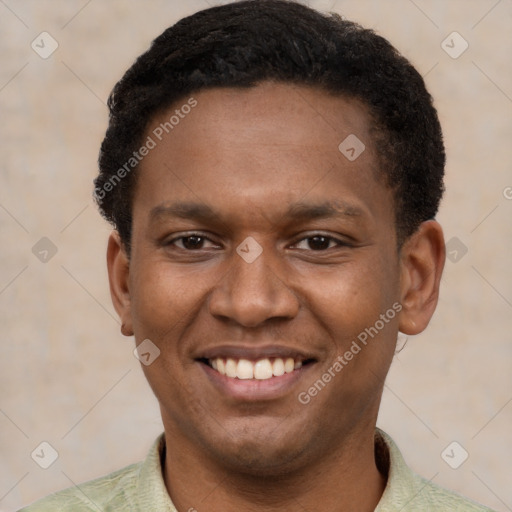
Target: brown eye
<point x="319" y="243"/>
<point x="192" y="242"/>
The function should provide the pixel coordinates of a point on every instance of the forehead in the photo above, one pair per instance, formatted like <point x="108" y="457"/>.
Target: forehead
<point x="270" y="145"/>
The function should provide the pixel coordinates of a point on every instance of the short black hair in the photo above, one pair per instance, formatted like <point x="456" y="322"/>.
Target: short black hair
<point x="245" y="43"/>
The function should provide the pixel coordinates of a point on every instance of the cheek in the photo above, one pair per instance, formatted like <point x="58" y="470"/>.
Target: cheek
<point x="165" y="298"/>
<point x="358" y="309"/>
<point x="363" y="343"/>
<point x="165" y="305"/>
<point x="353" y="299"/>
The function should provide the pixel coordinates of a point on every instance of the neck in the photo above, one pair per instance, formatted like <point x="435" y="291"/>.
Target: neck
<point x="345" y="479"/>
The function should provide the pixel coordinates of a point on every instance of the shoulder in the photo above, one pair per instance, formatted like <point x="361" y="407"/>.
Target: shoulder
<point x="138" y="487"/>
<point x="409" y="492"/>
<point x="114" y="491"/>
<point x="433" y="498"/>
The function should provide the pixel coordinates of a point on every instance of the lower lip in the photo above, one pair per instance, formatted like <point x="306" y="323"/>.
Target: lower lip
<point x="254" y="389"/>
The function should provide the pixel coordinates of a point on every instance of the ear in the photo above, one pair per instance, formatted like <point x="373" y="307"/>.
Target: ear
<point x="422" y="260"/>
<point x="118" y="265"/>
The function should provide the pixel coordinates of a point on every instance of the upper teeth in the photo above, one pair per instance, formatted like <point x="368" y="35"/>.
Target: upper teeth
<point x="260" y="369"/>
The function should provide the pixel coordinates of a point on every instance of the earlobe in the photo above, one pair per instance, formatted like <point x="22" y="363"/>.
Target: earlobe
<point x="118" y="275"/>
<point x="422" y="260"/>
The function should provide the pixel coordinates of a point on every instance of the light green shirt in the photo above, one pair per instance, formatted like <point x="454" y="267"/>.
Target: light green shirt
<point x="141" y="488"/>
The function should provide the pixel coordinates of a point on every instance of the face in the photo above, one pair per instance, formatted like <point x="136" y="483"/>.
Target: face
<point x="260" y="254"/>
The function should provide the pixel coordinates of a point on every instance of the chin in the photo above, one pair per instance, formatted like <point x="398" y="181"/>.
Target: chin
<point x="258" y="454"/>
<point x="264" y="463"/>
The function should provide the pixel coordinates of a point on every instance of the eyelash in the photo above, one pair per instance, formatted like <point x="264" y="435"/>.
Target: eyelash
<point x="339" y="243"/>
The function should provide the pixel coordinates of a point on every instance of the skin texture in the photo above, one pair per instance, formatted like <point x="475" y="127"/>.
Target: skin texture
<point x="249" y="155"/>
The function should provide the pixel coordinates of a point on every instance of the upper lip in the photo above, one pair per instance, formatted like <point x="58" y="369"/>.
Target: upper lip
<point x="254" y="353"/>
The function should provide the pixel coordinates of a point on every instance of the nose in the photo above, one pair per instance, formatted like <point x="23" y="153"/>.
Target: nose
<point x="250" y="294"/>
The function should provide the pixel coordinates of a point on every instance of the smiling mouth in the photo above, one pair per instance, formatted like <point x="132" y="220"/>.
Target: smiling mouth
<point x="259" y="369"/>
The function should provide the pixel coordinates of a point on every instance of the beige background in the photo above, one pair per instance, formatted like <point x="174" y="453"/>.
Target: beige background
<point x="68" y="377"/>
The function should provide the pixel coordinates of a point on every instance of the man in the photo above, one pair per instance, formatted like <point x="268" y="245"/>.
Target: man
<point x="272" y="175"/>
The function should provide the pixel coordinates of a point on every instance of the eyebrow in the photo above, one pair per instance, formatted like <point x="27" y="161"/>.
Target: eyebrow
<point x="311" y="211"/>
<point x="300" y="211"/>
